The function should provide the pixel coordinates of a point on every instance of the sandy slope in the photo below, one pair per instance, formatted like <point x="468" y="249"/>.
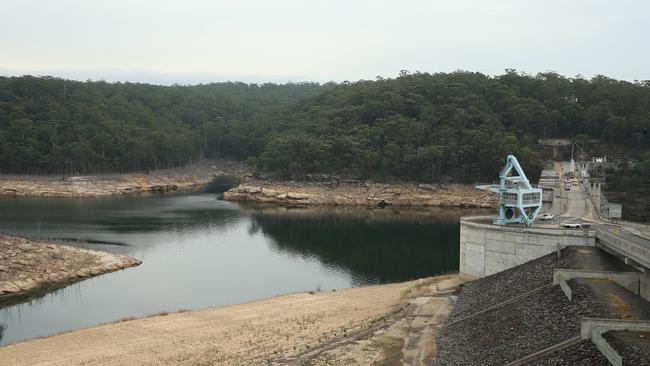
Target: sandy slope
<point x="257" y="332"/>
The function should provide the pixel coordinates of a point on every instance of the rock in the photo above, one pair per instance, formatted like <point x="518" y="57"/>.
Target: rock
<point x="234" y="196"/>
<point x="270" y="192"/>
<point x="253" y="190"/>
<point x="9" y="288"/>
<point x="429" y="187"/>
<point x="21" y="262"/>
<point x="3" y="268"/>
<point x="157" y="188"/>
<point x="83" y="273"/>
<point x="26" y="247"/>
<point x="343" y="201"/>
<point x="281" y="196"/>
<point x="383" y="204"/>
<point x="297" y="196"/>
<point x="25" y="285"/>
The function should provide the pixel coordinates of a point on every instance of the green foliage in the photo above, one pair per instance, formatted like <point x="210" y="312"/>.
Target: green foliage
<point x="51" y="125"/>
<point x="430" y="127"/>
<point x="645" y="163"/>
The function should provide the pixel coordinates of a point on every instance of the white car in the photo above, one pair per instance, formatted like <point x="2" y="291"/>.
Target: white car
<point x="570" y="225"/>
<point x="547" y="217"/>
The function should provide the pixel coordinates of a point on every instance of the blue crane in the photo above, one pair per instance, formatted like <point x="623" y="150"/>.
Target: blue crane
<point x="519" y="202"/>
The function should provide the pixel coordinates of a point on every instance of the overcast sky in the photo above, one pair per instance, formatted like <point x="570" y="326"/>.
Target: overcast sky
<point x="194" y="41"/>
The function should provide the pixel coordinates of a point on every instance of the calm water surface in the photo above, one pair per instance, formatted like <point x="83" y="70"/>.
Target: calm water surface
<point x="199" y="252"/>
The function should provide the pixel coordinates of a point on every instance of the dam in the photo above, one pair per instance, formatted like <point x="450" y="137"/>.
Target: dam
<point x="570" y="289"/>
<point x="487" y="247"/>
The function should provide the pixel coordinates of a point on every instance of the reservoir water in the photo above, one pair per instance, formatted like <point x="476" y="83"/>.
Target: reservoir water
<point x="199" y="252"/>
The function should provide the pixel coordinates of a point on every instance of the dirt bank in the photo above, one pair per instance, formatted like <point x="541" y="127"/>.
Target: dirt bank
<point x="28" y="268"/>
<point x="386" y="324"/>
<point x="363" y="194"/>
<point x="114" y="184"/>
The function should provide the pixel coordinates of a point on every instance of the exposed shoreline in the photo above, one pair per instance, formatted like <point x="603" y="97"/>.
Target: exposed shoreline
<point x="367" y="194"/>
<point x="369" y="324"/>
<point x="331" y="191"/>
<point x="164" y="180"/>
<point x="28" y="268"/>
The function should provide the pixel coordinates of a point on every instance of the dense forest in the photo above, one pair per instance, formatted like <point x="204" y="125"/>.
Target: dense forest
<point x="416" y="126"/>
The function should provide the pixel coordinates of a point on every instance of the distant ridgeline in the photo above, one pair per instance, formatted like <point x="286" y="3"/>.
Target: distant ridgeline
<point x="418" y="126"/>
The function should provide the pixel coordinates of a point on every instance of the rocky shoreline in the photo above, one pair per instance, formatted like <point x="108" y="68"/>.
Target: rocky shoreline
<point x="29" y="268"/>
<point x="320" y="189"/>
<point x="362" y="194"/>
<point x="156" y="181"/>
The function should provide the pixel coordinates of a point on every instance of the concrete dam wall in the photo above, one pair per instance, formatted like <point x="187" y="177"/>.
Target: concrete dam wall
<point x="486" y="248"/>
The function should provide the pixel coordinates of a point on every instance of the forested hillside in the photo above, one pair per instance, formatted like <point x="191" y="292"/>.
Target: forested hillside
<point x="416" y="126"/>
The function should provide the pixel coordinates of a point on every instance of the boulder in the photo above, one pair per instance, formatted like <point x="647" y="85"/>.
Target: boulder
<point x="428" y="187"/>
<point x="26" y="247"/>
<point x="234" y="196"/>
<point x="9" y="287"/>
<point x="341" y="200"/>
<point x="383" y="204"/>
<point x="252" y="190"/>
<point x="270" y="192"/>
<point x="297" y="196"/>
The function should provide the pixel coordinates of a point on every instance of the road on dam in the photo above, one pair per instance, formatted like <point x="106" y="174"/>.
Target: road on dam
<point x="575" y="207"/>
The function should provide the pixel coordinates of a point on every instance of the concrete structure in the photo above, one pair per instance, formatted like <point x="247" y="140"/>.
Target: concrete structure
<point x="486" y="248"/>
<point x="629" y="280"/>
<point x="549" y="178"/>
<point x="593" y="328"/>
<point x="519" y="202"/>
<point x="615" y="210"/>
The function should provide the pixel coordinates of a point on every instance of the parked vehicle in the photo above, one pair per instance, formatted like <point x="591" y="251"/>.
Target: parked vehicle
<point x="547" y="217"/>
<point x="571" y="225"/>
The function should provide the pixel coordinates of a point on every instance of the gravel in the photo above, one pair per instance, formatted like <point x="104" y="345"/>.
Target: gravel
<point x="495" y="289"/>
<point x="539" y="320"/>
<point x="583" y="353"/>
<point x="512" y="331"/>
<point x="634" y="347"/>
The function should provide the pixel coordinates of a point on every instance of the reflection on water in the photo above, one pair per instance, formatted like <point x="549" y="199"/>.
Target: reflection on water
<point x="199" y="252"/>
<point x="374" y="246"/>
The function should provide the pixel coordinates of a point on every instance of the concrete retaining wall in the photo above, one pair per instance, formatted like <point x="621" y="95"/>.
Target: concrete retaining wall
<point x="629" y="280"/>
<point x="591" y="328"/>
<point x="486" y="248"/>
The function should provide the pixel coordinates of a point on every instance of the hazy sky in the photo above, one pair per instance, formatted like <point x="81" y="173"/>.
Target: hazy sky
<point x="195" y="41"/>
